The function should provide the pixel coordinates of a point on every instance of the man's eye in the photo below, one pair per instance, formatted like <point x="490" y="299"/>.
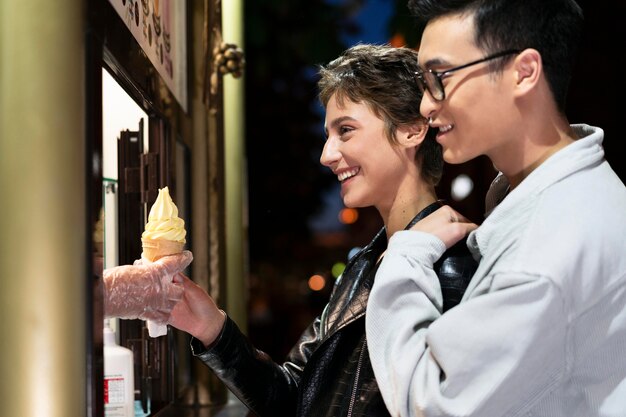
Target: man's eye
<point x="443" y="75"/>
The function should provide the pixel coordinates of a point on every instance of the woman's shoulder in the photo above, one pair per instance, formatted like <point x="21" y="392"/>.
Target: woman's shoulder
<point x="455" y="269"/>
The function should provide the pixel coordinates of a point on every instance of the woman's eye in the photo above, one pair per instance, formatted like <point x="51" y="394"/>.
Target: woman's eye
<point x="345" y="129"/>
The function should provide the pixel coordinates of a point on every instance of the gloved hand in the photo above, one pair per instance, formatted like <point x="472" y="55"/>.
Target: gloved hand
<point x="145" y="291"/>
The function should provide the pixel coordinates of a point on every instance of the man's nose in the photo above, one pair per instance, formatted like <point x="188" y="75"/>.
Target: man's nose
<point x="428" y="105"/>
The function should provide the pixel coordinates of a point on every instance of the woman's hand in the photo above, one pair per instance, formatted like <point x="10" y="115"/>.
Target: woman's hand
<point x="447" y="224"/>
<point x="196" y="313"/>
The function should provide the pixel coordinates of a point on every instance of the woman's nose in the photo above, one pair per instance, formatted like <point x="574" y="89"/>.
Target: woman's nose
<point x="330" y="153"/>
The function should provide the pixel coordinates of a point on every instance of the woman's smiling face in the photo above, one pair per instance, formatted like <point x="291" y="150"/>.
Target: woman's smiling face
<point x="358" y="151"/>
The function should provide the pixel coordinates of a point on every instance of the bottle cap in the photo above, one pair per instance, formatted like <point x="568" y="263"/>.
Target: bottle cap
<point x="109" y="335"/>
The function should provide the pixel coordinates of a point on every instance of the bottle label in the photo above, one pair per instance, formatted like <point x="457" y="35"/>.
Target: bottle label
<point x="114" y="391"/>
<point x="114" y="397"/>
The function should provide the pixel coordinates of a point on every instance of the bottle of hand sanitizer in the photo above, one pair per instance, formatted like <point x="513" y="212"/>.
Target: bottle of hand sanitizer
<point x="119" y="383"/>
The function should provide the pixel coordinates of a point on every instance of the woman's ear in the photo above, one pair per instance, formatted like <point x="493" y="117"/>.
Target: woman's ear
<point x="413" y="134"/>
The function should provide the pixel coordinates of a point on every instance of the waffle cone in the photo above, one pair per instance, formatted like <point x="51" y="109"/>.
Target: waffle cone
<point x="155" y="249"/>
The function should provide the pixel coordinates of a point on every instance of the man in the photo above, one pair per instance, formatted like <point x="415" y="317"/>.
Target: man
<point x="541" y="329"/>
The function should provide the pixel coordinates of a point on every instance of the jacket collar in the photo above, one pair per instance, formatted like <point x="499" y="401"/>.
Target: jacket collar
<point x="349" y="299"/>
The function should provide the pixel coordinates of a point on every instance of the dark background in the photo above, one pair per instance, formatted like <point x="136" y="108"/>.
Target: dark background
<point x="292" y="203"/>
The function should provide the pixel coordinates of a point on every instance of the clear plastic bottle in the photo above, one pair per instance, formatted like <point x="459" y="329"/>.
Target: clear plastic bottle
<point x="119" y="383"/>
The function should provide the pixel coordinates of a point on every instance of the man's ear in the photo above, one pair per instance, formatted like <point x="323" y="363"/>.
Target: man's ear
<point x="528" y="70"/>
<point x="413" y="134"/>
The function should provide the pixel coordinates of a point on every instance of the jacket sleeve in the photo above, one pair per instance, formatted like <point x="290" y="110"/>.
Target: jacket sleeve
<point x="265" y="387"/>
<point x="492" y="355"/>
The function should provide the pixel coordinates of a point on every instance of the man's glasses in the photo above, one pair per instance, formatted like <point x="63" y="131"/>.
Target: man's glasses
<point x="431" y="81"/>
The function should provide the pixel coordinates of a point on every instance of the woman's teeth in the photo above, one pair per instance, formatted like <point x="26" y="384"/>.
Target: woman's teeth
<point x="347" y="174"/>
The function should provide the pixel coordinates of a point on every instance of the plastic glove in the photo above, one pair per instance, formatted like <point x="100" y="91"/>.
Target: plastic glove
<point x="144" y="291"/>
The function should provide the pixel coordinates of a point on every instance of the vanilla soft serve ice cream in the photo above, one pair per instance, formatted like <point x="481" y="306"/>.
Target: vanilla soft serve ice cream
<point x="164" y="234"/>
<point x="163" y="221"/>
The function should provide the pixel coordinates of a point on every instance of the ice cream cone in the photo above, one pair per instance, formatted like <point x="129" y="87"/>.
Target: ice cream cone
<point x="163" y="235"/>
<point x="155" y="249"/>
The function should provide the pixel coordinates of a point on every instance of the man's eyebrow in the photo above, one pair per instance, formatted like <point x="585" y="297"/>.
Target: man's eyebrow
<point x="434" y="62"/>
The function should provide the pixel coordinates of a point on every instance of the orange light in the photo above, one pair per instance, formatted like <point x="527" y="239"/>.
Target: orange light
<point x="317" y="282"/>
<point x="348" y="215"/>
<point x="397" y="40"/>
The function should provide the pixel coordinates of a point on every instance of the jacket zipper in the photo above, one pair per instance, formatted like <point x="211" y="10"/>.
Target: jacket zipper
<point x="356" y="378"/>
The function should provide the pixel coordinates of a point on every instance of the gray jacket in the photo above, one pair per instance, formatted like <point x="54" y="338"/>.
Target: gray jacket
<point x="541" y="329"/>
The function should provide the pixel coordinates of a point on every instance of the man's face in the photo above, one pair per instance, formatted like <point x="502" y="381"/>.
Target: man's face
<point x="472" y="118"/>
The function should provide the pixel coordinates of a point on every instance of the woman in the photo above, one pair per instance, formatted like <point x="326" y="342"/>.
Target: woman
<point x="378" y="147"/>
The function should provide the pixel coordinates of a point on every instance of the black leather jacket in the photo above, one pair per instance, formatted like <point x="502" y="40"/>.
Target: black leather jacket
<point x="328" y="372"/>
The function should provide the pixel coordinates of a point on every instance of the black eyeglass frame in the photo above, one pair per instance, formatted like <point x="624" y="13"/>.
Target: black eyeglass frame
<point x="435" y="77"/>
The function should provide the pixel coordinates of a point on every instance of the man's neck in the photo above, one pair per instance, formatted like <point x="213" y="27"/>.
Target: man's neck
<point x="537" y="147"/>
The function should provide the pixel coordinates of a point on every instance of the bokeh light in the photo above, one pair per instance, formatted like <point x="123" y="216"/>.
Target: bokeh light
<point x="348" y="215"/>
<point x="337" y="269"/>
<point x="317" y="282"/>
<point x="461" y="187"/>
